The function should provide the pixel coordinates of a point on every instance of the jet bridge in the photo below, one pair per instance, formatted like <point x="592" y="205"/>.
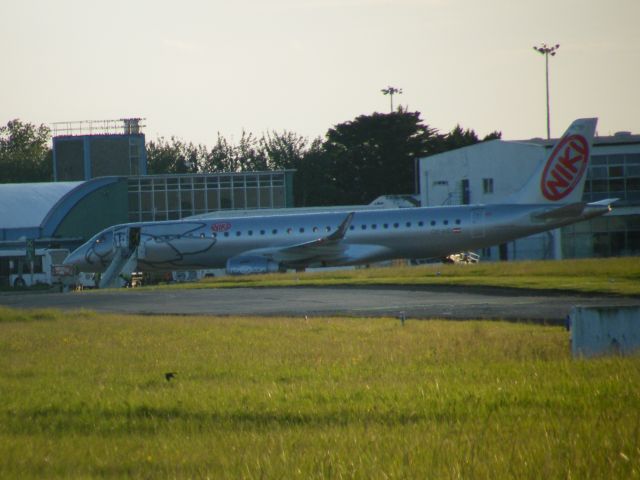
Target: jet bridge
<point x="126" y="243"/>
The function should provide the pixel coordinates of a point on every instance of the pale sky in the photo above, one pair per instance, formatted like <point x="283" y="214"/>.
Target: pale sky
<point x="193" y="68"/>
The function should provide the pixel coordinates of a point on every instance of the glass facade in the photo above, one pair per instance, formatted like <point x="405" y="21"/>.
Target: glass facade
<point x="614" y="176"/>
<point x="170" y="197"/>
<point x="609" y="176"/>
<point x="613" y="235"/>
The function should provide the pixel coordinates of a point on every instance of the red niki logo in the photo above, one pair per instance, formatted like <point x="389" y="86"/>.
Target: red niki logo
<point x="565" y="167"/>
<point x="220" y="227"/>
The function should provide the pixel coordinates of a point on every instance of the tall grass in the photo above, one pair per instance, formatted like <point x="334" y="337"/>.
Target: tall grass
<point x="85" y="397"/>
<point x="620" y="276"/>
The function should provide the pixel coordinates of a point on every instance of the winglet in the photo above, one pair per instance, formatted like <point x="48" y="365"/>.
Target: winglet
<point x="342" y="229"/>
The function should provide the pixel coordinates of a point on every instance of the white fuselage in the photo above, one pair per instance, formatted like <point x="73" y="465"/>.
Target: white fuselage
<point x="372" y="236"/>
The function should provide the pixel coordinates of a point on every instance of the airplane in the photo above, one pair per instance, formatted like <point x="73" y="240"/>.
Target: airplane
<point x="552" y="198"/>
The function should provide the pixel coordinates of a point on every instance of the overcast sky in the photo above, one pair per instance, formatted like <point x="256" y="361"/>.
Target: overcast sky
<point x="194" y="68"/>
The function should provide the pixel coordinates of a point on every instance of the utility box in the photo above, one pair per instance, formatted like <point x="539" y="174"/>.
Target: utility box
<point x="605" y="331"/>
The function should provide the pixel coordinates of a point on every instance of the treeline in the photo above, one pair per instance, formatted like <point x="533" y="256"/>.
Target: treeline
<point x="356" y="162"/>
<point x="25" y="155"/>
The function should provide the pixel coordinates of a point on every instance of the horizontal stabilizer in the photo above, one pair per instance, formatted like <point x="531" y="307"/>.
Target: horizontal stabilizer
<point x="600" y="207"/>
<point x="607" y="202"/>
<point x="571" y="210"/>
<point x="576" y="210"/>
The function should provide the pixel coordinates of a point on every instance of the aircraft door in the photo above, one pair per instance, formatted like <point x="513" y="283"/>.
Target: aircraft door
<point x="127" y="238"/>
<point x="477" y="223"/>
<point x="134" y="237"/>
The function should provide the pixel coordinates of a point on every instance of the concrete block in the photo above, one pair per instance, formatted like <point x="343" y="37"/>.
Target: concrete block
<point x="604" y="331"/>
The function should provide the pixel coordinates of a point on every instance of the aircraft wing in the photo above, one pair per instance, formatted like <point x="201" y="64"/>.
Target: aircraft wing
<point x="327" y="249"/>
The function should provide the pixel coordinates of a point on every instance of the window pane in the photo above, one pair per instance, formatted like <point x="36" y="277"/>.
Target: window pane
<point x="265" y="197"/>
<point x="199" y="201"/>
<point x="238" y="198"/>
<point x="252" y="197"/>
<point x="212" y="200"/>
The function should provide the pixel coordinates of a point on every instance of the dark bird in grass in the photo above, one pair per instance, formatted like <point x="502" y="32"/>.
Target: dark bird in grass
<point x="169" y="375"/>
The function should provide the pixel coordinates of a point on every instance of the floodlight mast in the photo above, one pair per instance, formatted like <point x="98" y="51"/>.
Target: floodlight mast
<point x="546" y="50"/>
<point x="391" y="91"/>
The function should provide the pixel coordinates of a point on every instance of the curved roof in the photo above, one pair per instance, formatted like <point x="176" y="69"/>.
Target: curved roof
<point x="25" y="205"/>
<point x="35" y="210"/>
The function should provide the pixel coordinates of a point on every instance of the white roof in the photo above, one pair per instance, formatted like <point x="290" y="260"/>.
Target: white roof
<point x="24" y="205"/>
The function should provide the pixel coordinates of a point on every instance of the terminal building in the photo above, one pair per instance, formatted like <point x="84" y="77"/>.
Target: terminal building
<point x="490" y="171"/>
<point x="100" y="172"/>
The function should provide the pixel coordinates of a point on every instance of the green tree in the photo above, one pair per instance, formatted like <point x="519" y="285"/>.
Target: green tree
<point x="458" y="138"/>
<point x="495" y="135"/>
<point x="174" y="156"/>
<point x="284" y="150"/>
<point x="248" y="155"/>
<point x="220" y="158"/>
<point x="375" y="155"/>
<point x="25" y="155"/>
<point x="273" y="151"/>
<point x="288" y="150"/>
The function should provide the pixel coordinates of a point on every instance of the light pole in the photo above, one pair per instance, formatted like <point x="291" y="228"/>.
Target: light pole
<point x="546" y="51"/>
<point x="390" y="91"/>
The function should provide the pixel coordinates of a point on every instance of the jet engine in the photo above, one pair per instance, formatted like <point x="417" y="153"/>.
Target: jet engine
<point x="246" y="265"/>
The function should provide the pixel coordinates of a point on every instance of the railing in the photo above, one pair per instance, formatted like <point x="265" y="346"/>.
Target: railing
<point x="127" y="126"/>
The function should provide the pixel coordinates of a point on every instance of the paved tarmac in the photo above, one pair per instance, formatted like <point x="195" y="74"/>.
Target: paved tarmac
<point x="457" y="303"/>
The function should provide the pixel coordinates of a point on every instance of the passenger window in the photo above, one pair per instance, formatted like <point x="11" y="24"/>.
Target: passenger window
<point x="408" y="224"/>
<point x="446" y="222"/>
<point x="374" y="226"/>
<point x="363" y="227"/>
<point x="315" y="229"/>
<point x="386" y="225"/>
<point x="250" y="232"/>
<point x="458" y="222"/>
<point x="420" y="223"/>
<point x="238" y="233"/>
<point x="261" y="232"/>
<point x="396" y="225"/>
<point x="352" y="227"/>
<point x="226" y="234"/>
<point x="301" y="230"/>
<point x="328" y="229"/>
<point x="289" y="230"/>
<point x="433" y="223"/>
<point x="274" y="231"/>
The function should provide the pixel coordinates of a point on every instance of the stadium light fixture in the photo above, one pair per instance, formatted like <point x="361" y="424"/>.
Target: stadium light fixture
<point x="546" y="50"/>
<point x="391" y="91"/>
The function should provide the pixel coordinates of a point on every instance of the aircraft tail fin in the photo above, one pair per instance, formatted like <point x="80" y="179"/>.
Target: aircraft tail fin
<point x="560" y="179"/>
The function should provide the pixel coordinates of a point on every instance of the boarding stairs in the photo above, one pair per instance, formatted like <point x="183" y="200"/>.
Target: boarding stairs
<point x="125" y="260"/>
<point x="124" y="263"/>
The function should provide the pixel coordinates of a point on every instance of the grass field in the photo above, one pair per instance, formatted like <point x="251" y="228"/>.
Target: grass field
<point x="84" y="396"/>
<point x="618" y="276"/>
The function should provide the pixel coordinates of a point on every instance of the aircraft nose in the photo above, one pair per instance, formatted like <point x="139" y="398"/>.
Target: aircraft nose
<point x="76" y="258"/>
